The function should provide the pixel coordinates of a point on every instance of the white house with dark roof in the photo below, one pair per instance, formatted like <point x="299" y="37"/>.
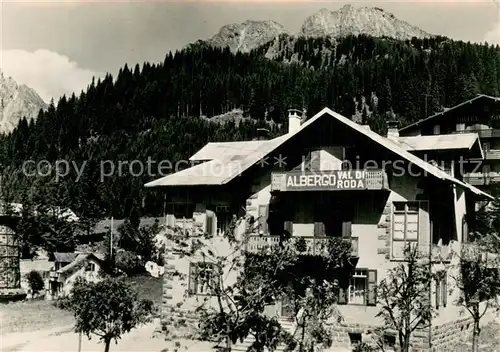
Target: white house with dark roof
<point x="67" y="268"/>
<point x="331" y="177"/>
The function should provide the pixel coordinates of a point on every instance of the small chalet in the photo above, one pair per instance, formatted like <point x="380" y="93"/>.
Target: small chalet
<point x="331" y="177"/>
<point x="67" y="268"/>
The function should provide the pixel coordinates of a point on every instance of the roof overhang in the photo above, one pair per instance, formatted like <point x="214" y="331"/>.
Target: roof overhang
<point x="426" y="119"/>
<point x="198" y="175"/>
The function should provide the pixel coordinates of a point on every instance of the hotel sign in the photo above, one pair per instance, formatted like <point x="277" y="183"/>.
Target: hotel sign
<point x="319" y="181"/>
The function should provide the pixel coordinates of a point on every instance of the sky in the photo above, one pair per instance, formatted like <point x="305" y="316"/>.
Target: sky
<point x="56" y="47"/>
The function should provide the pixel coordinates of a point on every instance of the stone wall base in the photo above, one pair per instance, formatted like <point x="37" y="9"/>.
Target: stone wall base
<point x="444" y="338"/>
<point x="176" y="324"/>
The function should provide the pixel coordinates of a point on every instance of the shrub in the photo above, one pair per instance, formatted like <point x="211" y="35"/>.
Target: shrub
<point x="129" y="263"/>
<point x="35" y="281"/>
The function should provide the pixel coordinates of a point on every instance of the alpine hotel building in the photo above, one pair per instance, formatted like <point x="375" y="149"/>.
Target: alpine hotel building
<point x="331" y="177"/>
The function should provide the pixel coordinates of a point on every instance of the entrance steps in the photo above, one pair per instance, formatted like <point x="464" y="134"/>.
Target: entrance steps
<point x="287" y="324"/>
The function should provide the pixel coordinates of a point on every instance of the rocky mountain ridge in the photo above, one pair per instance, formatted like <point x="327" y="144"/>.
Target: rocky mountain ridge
<point x="17" y="101"/>
<point x="247" y="35"/>
<point x="348" y="20"/>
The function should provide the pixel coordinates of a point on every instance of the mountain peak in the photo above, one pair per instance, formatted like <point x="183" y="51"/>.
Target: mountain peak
<point x="350" y="20"/>
<point x="247" y="35"/>
<point x="17" y="101"/>
<point x="347" y="20"/>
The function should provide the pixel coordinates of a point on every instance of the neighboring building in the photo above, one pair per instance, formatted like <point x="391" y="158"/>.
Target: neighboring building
<point x="67" y="268"/>
<point x="11" y="282"/>
<point x="331" y="177"/>
<point x="480" y="116"/>
<point x="39" y="263"/>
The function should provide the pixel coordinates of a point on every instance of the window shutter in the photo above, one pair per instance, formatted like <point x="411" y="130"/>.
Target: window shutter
<point x="465" y="230"/>
<point x="342" y="295"/>
<point x="289" y="226"/>
<point x="193" y="280"/>
<point x="319" y="229"/>
<point x="438" y="292"/>
<point x="315" y="160"/>
<point x="371" y="299"/>
<point x="209" y="224"/>
<point x="346" y="229"/>
<point x="263" y="215"/>
<point x="444" y="283"/>
<point x="424" y="228"/>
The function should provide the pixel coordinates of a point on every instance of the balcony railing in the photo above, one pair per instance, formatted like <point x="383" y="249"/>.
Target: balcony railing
<point x="314" y="245"/>
<point x="480" y="179"/>
<point x="492" y="154"/>
<point x="483" y="133"/>
<point x="333" y="180"/>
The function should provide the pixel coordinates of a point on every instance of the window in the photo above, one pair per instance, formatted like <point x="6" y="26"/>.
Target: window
<point x="357" y="287"/>
<point x="361" y="289"/>
<point x="224" y="219"/>
<point x="465" y="230"/>
<point x="405" y="227"/>
<point x="436" y="129"/>
<point x="263" y="216"/>
<point x="441" y="289"/>
<point x="486" y="147"/>
<point x="389" y="342"/>
<point x="203" y="278"/>
<point x="90" y="267"/>
<point x="460" y="127"/>
<point x="355" y="338"/>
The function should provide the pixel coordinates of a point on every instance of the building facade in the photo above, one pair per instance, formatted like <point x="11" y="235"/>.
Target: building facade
<point x="331" y="177"/>
<point x="479" y="116"/>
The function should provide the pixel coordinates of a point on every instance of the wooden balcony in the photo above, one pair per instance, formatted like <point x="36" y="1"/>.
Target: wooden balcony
<point x="492" y="154"/>
<point x="335" y="180"/>
<point x="314" y="245"/>
<point x="483" y="133"/>
<point x="481" y="179"/>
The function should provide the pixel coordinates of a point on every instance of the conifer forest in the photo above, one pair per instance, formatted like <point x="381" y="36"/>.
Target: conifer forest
<point x="162" y="111"/>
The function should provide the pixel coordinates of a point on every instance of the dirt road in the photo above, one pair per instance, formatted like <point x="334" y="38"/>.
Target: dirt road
<point x="64" y="339"/>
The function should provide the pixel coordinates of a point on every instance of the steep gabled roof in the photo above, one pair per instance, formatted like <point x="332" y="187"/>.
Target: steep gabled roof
<point x="219" y="171"/>
<point x="227" y="170"/>
<point x="443" y="142"/>
<point x="222" y="150"/>
<point x="479" y="96"/>
<point x="64" y="257"/>
<point x="80" y="260"/>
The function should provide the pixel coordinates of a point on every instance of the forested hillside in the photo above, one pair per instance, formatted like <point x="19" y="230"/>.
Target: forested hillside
<point x="154" y="111"/>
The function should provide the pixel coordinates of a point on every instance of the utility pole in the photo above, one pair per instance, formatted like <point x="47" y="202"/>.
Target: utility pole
<point x="111" y="239"/>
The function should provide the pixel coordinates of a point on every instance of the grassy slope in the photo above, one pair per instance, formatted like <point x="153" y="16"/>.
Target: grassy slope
<point x="42" y="315"/>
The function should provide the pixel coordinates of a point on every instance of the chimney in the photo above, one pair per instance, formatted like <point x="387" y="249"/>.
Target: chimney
<point x="262" y="134"/>
<point x="393" y="129"/>
<point x="294" y="120"/>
